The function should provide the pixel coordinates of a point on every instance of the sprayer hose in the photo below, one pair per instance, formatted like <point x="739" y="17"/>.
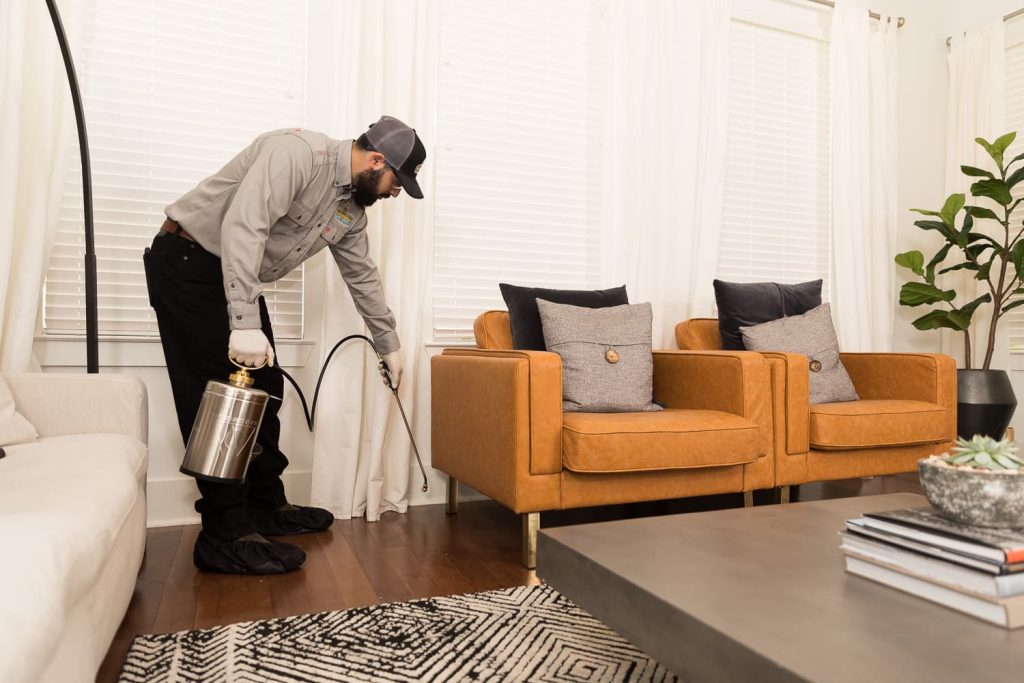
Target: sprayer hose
<point x="310" y="411"/>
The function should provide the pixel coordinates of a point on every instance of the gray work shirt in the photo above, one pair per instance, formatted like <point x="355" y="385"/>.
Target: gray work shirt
<point x="277" y="203"/>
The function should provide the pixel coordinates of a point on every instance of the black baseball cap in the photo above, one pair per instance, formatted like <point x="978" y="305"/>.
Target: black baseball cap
<point x="402" y="149"/>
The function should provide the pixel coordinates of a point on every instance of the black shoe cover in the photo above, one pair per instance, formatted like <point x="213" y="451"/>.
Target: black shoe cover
<point x="290" y="519"/>
<point x="246" y="556"/>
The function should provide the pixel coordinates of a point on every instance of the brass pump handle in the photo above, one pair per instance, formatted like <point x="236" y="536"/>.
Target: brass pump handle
<point x="247" y="367"/>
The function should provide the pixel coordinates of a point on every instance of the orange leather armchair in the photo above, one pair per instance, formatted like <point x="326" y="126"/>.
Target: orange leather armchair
<point x="498" y="426"/>
<point x="906" y="411"/>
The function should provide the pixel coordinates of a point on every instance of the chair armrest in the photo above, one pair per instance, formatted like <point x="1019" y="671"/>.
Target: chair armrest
<point x="496" y="420"/>
<point x="791" y="401"/>
<point x="910" y="376"/>
<point x="62" y="403"/>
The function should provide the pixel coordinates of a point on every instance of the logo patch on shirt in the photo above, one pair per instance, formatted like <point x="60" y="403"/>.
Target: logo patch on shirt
<point x="344" y="216"/>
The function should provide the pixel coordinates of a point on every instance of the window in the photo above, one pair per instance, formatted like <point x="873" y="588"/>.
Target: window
<point x="776" y="219"/>
<point x="517" y="126"/>
<point x="1015" y="121"/>
<point x="172" y="90"/>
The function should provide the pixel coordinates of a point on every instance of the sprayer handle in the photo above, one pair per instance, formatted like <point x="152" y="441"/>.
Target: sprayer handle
<point x="385" y="372"/>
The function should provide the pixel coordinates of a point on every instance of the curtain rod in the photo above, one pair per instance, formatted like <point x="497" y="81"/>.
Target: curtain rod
<point x="1006" y="17"/>
<point x="874" y="15"/>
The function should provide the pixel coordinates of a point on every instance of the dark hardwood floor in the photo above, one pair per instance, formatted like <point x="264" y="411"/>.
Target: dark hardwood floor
<point x="421" y="554"/>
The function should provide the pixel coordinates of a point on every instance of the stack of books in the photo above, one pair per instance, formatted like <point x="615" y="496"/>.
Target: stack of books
<point x="975" y="570"/>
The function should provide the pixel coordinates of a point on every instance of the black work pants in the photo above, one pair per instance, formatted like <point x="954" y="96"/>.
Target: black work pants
<point x="186" y="289"/>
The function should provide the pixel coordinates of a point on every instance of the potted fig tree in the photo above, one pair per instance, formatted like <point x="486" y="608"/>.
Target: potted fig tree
<point x="987" y="243"/>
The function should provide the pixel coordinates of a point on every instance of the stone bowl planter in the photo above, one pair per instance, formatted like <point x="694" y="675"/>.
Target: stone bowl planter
<point x="975" y="497"/>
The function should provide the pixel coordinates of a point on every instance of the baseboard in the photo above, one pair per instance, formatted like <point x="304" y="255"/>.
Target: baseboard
<point x="171" y="500"/>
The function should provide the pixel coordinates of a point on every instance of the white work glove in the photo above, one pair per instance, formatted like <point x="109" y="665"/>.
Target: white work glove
<point x="394" y="363"/>
<point x="250" y="347"/>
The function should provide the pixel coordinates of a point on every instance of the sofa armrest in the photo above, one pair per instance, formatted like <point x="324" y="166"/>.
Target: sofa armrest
<point x="909" y="376"/>
<point x="63" y="403"/>
<point x="496" y="420"/>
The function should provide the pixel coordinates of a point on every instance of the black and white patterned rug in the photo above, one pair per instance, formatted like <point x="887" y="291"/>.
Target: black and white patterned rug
<point x="530" y="633"/>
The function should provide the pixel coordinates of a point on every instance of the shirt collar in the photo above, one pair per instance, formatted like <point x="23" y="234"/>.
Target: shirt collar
<point x="343" y="174"/>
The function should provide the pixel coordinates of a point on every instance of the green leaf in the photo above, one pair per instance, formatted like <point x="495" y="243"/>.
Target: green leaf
<point x="977" y="172"/>
<point x="1015" y="177"/>
<point x="1015" y="160"/>
<point x="982" y="212"/>
<point x="929" y="274"/>
<point x="959" y="266"/>
<point x="984" y="269"/>
<point x="951" y="208"/>
<point x="1006" y="462"/>
<point x="1003" y="142"/>
<point x="998" y="148"/>
<point x="937" y="225"/>
<point x="962" y="316"/>
<point x="934" y="320"/>
<point x="918" y="293"/>
<point x="1012" y="305"/>
<point x="926" y="212"/>
<point x="994" y="189"/>
<point x="1017" y="256"/>
<point x="975" y="236"/>
<point x="963" y="237"/>
<point x="914" y="260"/>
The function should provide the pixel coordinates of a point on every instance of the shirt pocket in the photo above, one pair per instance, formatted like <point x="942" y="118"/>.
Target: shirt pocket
<point x="340" y="223"/>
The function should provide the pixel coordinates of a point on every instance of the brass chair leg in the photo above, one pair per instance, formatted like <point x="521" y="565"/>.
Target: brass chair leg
<point x="784" y="495"/>
<point x="452" y="504"/>
<point x="531" y="523"/>
<point x="748" y="499"/>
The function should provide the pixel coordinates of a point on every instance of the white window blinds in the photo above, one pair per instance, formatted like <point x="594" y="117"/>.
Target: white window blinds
<point x="517" y="123"/>
<point x="1015" y="121"/>
<point x="172" y="90"/>
<point x="776" y="217"/>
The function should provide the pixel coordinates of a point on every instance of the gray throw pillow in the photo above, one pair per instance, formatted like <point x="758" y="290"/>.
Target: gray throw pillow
<point x="607" y="366"/>
<point x="813" y="335"/>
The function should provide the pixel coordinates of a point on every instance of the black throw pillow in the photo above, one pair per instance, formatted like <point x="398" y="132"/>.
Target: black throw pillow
<point x="523" y="316"/>
<point x="752" y="303"/>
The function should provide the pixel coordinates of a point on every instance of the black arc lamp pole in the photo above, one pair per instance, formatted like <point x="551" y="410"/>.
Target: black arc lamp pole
<point x="92" y="332"/>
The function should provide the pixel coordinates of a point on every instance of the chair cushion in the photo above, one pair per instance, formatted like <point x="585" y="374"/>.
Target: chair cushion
<point x="665" y="440"/>
<point x="877" y="422"/>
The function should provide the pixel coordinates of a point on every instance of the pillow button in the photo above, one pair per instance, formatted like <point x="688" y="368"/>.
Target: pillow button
<point x="815" y="366"/>
<point x="612" y="356"/>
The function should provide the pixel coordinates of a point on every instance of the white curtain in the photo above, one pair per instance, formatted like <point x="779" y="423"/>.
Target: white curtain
<point x="664" y="156"/>
<point x="975" y="107"/>
<point x="36" y="129"/>
<point x="384" y="63"/>
<point x="863" y="74"/>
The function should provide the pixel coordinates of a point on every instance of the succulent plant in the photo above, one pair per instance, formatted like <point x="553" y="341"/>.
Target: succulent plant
<point x="984" y="452"/>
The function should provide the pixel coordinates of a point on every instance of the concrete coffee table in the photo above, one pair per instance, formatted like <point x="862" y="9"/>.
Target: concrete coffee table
<point x="759" y="594"/>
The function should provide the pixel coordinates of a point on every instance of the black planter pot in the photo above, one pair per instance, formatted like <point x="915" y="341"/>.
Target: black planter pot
<point x="985" y="403"/>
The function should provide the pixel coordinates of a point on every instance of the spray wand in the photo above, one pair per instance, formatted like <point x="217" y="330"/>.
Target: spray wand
<point x="385" y="372"/>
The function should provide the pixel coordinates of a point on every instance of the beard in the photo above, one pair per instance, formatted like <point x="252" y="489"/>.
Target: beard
<point x="364" y="187"/>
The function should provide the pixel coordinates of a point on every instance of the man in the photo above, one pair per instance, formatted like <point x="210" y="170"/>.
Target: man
<point x="281" y="200"/>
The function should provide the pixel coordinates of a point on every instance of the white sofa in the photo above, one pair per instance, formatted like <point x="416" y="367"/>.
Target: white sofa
<point x="72" y="523"/>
